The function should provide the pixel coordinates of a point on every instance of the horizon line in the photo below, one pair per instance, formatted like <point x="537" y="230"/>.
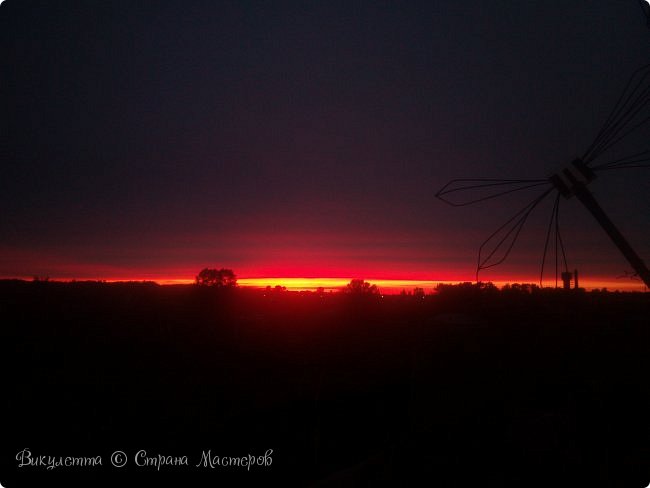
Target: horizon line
<point x="387" y="286"/>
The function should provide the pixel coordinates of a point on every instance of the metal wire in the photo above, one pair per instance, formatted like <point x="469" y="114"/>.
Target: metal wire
<point x="626" y="167"/>
<point x="558" y="236"/>
<point x="611" y="116"/>
<point x="622" y="121"/>
<point x="624" y="111"/>
<point x="519" y="220"/>
<point x="619" y="113"/>
<point x="617" y="125"/>
<point x="485" y="183"/>
<point x="548" y="238"/>
<point x="611" y="143"/>
<point x="627" y="159"/>
<point x="633" y="161"/>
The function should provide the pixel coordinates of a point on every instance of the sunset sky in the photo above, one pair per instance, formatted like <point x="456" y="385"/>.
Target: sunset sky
<point x="148" y="140"/>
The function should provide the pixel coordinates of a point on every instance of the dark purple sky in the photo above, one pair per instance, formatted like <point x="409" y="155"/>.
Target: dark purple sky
<point x="151" y="139"/>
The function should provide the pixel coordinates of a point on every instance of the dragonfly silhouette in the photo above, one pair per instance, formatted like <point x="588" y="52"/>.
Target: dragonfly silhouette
<point x="628" y="116"/>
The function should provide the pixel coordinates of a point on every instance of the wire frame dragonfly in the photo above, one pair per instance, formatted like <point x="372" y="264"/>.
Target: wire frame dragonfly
<point x="630" y="113"/>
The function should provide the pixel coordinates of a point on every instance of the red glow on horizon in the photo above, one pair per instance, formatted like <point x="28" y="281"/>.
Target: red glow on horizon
<point x="387" y="286"/>
<point x="295" y="261"/>
<point x="389" y="276"/>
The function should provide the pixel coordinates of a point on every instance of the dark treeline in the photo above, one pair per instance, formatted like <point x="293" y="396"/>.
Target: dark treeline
<point x="513" y="387"/>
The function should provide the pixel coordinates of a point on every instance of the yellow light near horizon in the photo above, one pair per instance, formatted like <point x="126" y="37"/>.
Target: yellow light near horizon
<point x="395" y="286"/>
<point x="307" y="284"/>
<point x="386" y="286"/>
<point x="297" y="284"/>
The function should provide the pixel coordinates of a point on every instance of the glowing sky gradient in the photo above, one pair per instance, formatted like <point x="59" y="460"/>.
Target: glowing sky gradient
<point x="290" y="140"/>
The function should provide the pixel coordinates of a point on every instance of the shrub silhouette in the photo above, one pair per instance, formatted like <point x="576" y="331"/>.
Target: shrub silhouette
<point x="221" y="278"/>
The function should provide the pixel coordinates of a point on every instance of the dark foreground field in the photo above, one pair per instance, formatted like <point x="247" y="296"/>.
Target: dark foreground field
<point x="459" y="389"/>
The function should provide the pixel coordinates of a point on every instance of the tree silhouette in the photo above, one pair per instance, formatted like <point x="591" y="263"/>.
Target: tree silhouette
<point x="221" y="278"/>
<point x="418" y="292"/>
<point x="360" y="287"/>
